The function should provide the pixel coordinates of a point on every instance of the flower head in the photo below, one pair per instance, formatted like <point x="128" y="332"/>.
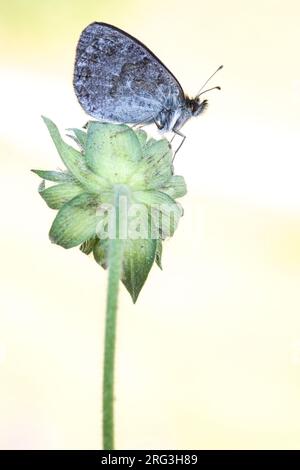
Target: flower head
<point x="111" y="156"/>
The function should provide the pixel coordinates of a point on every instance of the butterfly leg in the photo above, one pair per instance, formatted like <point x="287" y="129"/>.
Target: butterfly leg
<point x="181" y="143"/>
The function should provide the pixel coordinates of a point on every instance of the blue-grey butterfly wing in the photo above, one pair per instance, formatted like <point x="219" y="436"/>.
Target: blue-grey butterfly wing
<point x="118" y="79"/>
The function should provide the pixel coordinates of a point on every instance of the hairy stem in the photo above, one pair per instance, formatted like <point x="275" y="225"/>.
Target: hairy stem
<point x="115" y="256"/>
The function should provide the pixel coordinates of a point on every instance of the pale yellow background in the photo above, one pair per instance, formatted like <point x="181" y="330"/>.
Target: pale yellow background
<point x="209" y="357"/>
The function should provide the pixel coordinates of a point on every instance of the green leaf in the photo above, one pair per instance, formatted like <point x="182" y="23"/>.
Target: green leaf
<point x="138" y="258"/>
<point x="56" y="176"/>
<point x="75" y="162"/>
<point x="56" y="196"/>
<point x="112" y="150"/>
<point x="76" y="221"/>
<point x="175" y="187"/>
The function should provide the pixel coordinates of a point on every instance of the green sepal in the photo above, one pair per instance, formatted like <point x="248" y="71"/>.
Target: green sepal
<point x="175" y="187"/>
<point x="76" y="221"/>
<point x="55" y="176"/>
<point x="142" y="136"/>
<point x="164" y="212"/>
<point x="75" y="161"/>
<point x="156" y="168"/>
<point x="113" y="150"/>
<point x="138" y="258"/>
<point x="56" y="196"/>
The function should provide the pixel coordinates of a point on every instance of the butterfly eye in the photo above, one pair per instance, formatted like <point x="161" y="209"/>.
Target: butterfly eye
<point x="195" y="105"/>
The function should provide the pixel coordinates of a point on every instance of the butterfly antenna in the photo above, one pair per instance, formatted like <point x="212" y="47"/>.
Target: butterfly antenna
<point x="199" y="92"/>
<point x="209" y="89"/>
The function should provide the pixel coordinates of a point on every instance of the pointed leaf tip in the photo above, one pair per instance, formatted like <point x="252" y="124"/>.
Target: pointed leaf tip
<point x="139" y="256"/>
<point x="74" y="161"/>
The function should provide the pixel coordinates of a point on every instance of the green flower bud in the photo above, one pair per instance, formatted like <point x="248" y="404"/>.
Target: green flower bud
<point x="111" y="156"/>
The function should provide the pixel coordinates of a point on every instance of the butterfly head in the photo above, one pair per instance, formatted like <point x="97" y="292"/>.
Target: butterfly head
<point x="192" y="107"/>
<point x="197" y="105"/>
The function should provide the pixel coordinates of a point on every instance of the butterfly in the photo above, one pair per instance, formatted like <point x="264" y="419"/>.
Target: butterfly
<point x="118" y="79"/>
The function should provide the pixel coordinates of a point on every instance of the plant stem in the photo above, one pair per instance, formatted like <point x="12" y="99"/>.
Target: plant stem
<point x="115" y="256"/>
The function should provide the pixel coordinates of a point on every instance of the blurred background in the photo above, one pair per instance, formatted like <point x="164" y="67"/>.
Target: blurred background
<point x="209" y="357"/>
